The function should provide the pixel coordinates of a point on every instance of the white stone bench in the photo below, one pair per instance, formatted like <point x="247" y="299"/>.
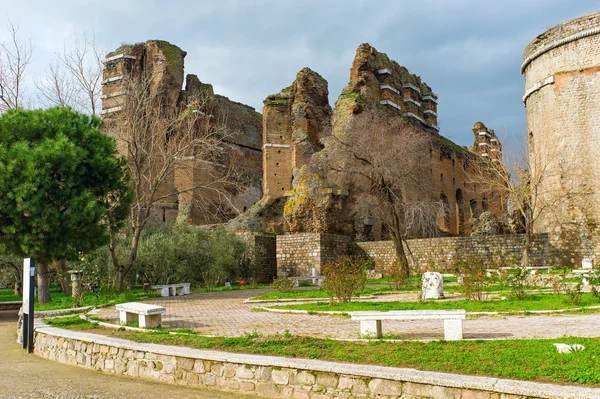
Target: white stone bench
<point x="585" y="275"/>
<point x="534" y="269"/>
<point x="171" y="289"/>
<point x="147" y="315"/>
<point x="317" y="280"/>
<point x="370" y="321"/>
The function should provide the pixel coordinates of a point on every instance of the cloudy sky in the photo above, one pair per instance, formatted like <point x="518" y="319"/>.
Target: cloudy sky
<point x="468" y="51"/>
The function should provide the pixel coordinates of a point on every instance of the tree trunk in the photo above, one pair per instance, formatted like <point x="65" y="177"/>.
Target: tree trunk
<point x="411" y="256"/>
<point x="19" y="288"/>
<point x="401" y="254"/>
<point x="43" y="281"/>
<point x="527" y="248"/>
<point x="64" y="280"/>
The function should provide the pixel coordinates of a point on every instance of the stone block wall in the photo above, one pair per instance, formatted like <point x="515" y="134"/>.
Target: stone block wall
<point x="277" y="377"/>
<point x="261" y="249"/>
<point x="298" y="254"/>
<point x="265" y="259"/>
<point x="445" y="251"/>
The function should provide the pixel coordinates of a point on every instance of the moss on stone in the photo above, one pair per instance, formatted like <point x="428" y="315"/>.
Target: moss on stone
<point x="173" y="54"/>
<point x="124" y="48"/>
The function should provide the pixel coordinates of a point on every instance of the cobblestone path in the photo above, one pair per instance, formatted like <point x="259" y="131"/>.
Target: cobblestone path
<point x="225" y="314"/>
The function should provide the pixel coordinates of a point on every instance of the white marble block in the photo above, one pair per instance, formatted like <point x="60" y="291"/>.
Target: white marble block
<point x="370" y="328"/>
<point x="433" y="285"/>
<point x="587" y="263"/>
<point x="453" y="329"/>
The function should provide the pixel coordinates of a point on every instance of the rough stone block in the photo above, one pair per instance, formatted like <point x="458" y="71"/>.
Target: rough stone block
<point x="300" y="395"/>
<point x="210" y="380"/>
<point x="185" y="363"/>
<point x="327" y="380"/>
<point x="264" y="373"/>
<point x="267" y="389"/>
<point x="199" y="367"/>
<point x="229" y="370"/>
<point x="445" y="392"/>
<point x="385" y="387"/>
<point x="280" y="377"/>
<point x="345" y="383"/>
<point x="133" y="368"/>
<point x="247" y="386"/>
<point x="472" y="394"/>
<point x="244" y="372"/>
<point x="305" y="378"/>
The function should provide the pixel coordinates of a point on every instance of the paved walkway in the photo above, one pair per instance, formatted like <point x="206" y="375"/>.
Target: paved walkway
<point x="225" y="314"/>
<point x="29" y="376"/>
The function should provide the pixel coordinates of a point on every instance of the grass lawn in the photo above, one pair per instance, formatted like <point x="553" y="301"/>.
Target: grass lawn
<point x="368" y="290"/>
<point x="8" y="295"/>
<point x="62" y="301"/>
<point x="532" y="302"/>
<point x="531" y="359"/>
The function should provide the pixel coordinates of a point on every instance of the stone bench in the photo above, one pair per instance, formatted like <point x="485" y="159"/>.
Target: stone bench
<point x="370" y="321"/>
<point x="317" y="280"/>
<point x="147" y="315"/>
<point x="585" y="275"/>
<point x="171" y="289"/>
<point x="534" y="269"/>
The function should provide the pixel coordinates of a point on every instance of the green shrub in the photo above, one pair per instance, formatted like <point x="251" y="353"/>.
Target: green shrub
<point x="395" y="275"/>
<point x="474" y="278"/>
<point x="282" y="284"/>
<point x="517" y="280"/>
<point x="344" y="277"/>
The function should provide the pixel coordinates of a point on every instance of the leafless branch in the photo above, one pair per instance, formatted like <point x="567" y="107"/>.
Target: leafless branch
<point x="15" y="56"/>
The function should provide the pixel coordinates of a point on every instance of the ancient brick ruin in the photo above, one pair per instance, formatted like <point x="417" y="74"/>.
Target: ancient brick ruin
<point x="163" y="63"/>
<point x="279" y="145"/>
<point x="375" y="81"/>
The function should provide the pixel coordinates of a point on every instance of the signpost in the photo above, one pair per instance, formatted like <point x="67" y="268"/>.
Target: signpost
<point x="28" y="301"/>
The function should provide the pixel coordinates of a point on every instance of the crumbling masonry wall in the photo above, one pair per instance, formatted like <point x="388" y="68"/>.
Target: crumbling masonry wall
<point x="561" y="69"/>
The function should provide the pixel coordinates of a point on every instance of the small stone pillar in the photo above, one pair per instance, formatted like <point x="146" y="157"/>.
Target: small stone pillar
<point x="433" y="285"/>
<point x="587" y="263"/>
<point x="75" y="282"/>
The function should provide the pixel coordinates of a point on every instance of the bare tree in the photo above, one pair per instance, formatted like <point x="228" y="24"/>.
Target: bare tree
<point x="82" y="76"/>
<point x="536" y="185"/>
<point x="57" y="87"/>
<point x="174" y="154"/>
<point x="15" y="56"/>
<point x="381" y="156"/>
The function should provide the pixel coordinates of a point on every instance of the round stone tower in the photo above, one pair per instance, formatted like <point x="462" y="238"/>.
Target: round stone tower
<point x="562" y="97"/>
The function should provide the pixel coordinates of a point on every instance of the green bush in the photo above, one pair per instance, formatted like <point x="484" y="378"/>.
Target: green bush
<point x="474" y="278"/>
<point x="395" y="275"/>
<point x="344" y="277"/>
<point x="172" y="253"/>
<point x="282" y="284"/>
<point x="177" y="253"/>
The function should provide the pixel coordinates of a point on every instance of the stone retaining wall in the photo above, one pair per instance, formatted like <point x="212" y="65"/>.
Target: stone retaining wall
<point x="443" y="252"/>
<point x="278" y="377"/>
<point x="10" y="305"/>
<point x="298" y="254"/>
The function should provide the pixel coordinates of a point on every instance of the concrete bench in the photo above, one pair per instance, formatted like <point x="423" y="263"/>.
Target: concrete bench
<point x="171" y="289"/>
<point x="585" y="275"/>
<point x="534" y="269"/>
<point x="317" y="280"/>
<point x="370" y="321"/>
<point x="147" y="315"/>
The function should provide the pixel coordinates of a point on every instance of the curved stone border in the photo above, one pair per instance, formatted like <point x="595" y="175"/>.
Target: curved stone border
<point x="339" y="312"/>
<point x="558" y="43"/>
<point x="12" y="305"/>
<point x="277" y="377"/>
